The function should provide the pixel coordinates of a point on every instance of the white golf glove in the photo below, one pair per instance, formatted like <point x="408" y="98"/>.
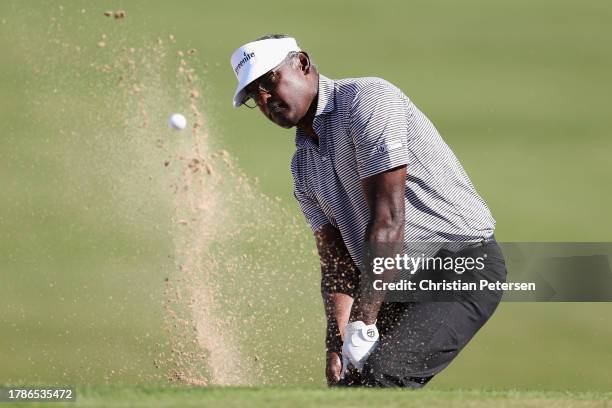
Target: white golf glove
<point x="360" y="340"/>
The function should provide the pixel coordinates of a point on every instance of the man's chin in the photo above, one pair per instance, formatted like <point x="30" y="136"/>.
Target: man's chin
<point x="283" y="121"/>
<point x="287" y="126"/>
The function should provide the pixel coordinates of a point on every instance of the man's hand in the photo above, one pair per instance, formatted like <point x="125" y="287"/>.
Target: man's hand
<point x="333" y="368"/>
<point x="360" y="340"/>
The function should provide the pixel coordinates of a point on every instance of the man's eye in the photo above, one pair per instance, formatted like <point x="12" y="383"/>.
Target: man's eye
<point x="267" y="83"/>
<point x="265" y="86"/>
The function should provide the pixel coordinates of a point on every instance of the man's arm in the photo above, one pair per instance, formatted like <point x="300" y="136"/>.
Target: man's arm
<point x="339" y="284"/>
<point x="384" y="193"/>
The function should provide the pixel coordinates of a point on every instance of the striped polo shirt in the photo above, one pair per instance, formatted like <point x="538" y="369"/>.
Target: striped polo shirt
<point x="367" y="126"/>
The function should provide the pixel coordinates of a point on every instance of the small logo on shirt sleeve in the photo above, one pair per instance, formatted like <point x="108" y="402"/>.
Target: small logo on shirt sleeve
<point x="389" y="146"/>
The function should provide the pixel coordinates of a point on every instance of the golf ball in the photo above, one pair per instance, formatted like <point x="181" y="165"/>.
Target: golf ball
<point x="177" y="121"/>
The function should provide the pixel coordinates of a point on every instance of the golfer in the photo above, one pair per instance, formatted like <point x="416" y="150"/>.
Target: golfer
<point x="372" y="175"/>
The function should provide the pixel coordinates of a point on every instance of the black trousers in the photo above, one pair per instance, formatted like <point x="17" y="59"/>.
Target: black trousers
<point x="420" y="339"/>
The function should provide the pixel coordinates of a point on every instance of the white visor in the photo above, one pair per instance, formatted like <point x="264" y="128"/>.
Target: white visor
<point x="254" y="59"/>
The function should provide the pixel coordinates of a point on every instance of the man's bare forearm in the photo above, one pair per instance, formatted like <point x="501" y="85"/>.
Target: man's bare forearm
<point x="384" y="235"/>
<point x="339" y="283"/>
<point x="381" y="243"/>
<point x="338" y="309"/>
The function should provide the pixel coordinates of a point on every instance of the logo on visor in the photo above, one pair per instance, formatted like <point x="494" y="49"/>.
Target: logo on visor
<point x="244" y="61"/>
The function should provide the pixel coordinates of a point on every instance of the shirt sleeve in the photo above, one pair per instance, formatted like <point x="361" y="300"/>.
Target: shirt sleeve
<point x="315" y="217"/>
<point x="311" y="209"/>
<point x="378" y="125"/>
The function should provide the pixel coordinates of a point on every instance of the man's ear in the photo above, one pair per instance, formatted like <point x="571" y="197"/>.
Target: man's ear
<point x="305" y="65"/>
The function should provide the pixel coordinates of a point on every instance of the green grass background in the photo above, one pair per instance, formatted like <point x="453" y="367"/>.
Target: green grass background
<point x="518" y="89"/>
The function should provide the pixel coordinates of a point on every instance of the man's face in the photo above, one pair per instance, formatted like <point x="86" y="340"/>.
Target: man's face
<point x="283" y="94"/>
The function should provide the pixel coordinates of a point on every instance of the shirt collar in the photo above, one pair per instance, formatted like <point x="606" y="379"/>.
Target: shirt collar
<point x="325" y="104"/>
